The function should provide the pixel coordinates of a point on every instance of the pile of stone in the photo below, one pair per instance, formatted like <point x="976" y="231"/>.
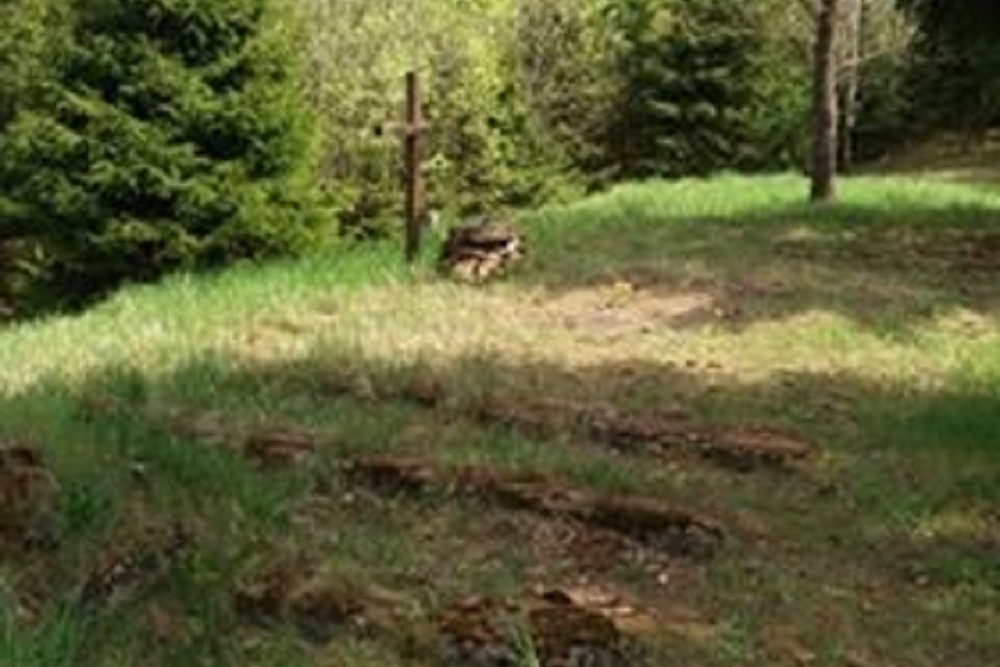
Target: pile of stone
<point x="481" y="249"/>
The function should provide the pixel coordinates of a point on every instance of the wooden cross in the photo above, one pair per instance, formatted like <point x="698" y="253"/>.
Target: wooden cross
<point x="413" y="132"/>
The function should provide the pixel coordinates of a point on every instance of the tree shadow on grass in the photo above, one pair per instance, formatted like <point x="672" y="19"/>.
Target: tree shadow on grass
<point x="887" y="268"/>
<point x="958" y="423"/>
<point x="906" y="453"/>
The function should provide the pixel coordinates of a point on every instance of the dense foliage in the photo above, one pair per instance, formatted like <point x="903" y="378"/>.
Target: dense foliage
<point x="505" y="84"/>
<point x="533" y="97"/>
<point x="138" y="137"/>
<point x="168" y="135"/>
<point x="956" y="78"/>
<point x="688" y="75"/>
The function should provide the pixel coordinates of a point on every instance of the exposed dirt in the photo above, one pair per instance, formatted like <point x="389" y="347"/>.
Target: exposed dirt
<point x="572" y="547"/>
<point x="969" y="252"/>
<point x="750" y="446"/>
<point x="209" y="427"/>
<point x="660" y="432"/>
<point x="641" y="300"/>
<point x="624" y="308"/>
<point x="627" y="616"/>
<point x="580" y="625"/>
<point x="126" y="565"/>
<point x="559" y="627"/>
<point x="648" y="521"/>
<point x="546" y="418"/>
<point x="639" y="276"/>
<point x="166" y="625"/>
<point x="319" y="602"/>
<point x="27" y="490"/>
<point x="743" y="448"/>
<point x="280" y="447"/>
<point x="262" y="596"/>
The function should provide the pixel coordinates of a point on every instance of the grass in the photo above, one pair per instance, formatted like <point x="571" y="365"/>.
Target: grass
<point x="950" y="157"/>
<point x="872" y="327"/>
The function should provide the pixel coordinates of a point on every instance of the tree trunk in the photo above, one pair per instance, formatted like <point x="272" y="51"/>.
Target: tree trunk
<point x="852" y="83"/>
<point x="825" y="116"/>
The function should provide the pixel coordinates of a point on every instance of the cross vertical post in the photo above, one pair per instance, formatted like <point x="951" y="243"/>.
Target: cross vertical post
<point x="414" y="132"/>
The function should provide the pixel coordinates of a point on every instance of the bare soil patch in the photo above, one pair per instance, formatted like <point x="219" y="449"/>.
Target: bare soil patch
<point x="741" y="447"/>
<point x="132" y="562"/>
<point x="650" y="522"/>
<point x="623" y="308"/>
<point x="320" y="602"/>
<point x="27" y="490"/>
<point x="746" y="447"/>
<point x="575" y="626"/>
<point x="578" y="625"/>
<point x="279" y="447"/>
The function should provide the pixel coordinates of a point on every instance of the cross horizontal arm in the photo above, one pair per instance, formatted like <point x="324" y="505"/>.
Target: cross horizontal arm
<point x="404" y="129"/>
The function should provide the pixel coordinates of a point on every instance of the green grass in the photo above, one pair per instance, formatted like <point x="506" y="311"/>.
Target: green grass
<point x="871" y="326"/>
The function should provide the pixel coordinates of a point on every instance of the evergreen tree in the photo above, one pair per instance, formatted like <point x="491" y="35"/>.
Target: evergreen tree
<point x="170" y="135"/>
<point x="28" y="26"/>
<point x="689" y="68"/>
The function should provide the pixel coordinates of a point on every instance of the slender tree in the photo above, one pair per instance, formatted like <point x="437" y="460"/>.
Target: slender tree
<point x="852" y="79"/>
<point x="825" y="107"/>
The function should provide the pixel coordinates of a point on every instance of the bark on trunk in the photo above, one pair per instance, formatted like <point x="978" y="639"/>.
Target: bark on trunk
<point x="825" y="117"/>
